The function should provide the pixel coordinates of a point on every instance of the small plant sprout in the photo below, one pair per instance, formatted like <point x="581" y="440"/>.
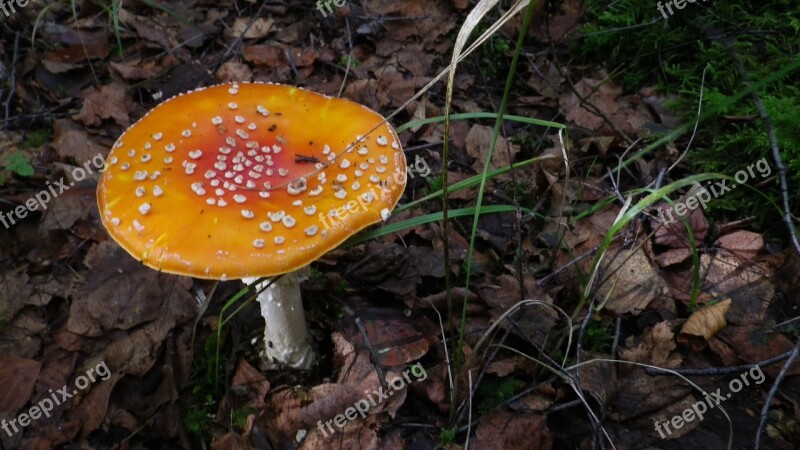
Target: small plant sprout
<point x="209" y="184"/>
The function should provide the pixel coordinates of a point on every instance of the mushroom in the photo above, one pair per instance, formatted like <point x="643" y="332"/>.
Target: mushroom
<point x="251" y="180"/>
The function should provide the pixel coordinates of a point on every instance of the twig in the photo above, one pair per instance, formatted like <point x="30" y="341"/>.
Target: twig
<point x="617" y="332"/>
<point x="715" y="371"/>
<point x="13" y="80"/>
<point x="373" y="356"/>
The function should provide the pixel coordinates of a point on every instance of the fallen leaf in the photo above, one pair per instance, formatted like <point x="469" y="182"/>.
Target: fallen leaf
<point x="478" y="141"/>
<point x="260" y="28"/>
<point x="234" y="71"/>
<point x="265" y="55"/>
<point x="513" y="430"/>
<point x="744" y="244"/>
<point x="143" y="70"/>
<point x="704" y="323"/>
<point x="631" y="282"/>
<point x="110" y="102"/>
<point x="77" y="48"/>
<point x="72" y="142"/>
<point x="18" y="377"/>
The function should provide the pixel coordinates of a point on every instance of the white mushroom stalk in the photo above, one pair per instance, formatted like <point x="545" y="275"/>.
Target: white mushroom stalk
<point x="286" y="338"/>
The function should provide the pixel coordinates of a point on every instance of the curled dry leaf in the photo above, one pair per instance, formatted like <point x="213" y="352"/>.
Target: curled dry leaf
<point x="704" y="323"/>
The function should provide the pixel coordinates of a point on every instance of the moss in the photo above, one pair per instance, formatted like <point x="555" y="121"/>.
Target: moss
<point x="633" y="40"/>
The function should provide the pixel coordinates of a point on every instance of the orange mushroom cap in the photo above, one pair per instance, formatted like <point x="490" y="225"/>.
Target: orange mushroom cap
<point x="247" y="180"/>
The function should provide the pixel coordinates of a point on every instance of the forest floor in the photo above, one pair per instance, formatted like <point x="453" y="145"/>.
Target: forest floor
<point x="99" y="351"/>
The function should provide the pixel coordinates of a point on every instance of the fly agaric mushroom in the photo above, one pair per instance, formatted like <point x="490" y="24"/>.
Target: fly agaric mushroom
<point x="251" y="180"/>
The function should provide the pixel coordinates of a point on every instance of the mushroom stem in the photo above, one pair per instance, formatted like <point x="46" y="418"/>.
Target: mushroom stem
<point x="285" y="334"/>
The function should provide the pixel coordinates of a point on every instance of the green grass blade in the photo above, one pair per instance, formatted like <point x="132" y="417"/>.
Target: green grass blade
<point x="480" y="115"/>
<point x="428" y="218"/>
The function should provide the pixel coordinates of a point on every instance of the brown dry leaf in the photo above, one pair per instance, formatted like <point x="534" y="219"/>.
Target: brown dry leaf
<point x="260" y="28"/>
<point x="602" y="93"/>
<point x="513" y="430"/>
<point x="545" y="77"/>
<point x="752" y="344"/>
<point x="598" y="378"/>
<point x="500" y="292"/>
<point x="561" y="23"/>
<point x="631" y="282"/>
<point x="288" y="410"/>
<point x="57" y="366"/>
<point x="431" y="20"/>
<point x="18" y="377"/>
<point x="673" y="233"/>
<point x="77" y="48"/>
<point x="254" y="382"/>
<point x="747" y="283"/>
<point x="434" y="389"/>
<point x="66" y="210"/>
<point x="502" y="367"/>
<point x="399" y="340"/>
<point x="671" y="256"/>
<point x="627" y="113"/>
<point x="71" y="142"/>
<point x="93" y="406"/>
<point x="637" y="394"/>
<point x="120" y="293"/>
<point x="14" y="294"/>
<point x="600" y="143"/>
<point x="704" y="323"/>
<point x="369" y="93"/>
<point x="744" y="244"/>
<point x="265" y="55"/>
<point x="231" y="441"/>
<point x="148" y="29"/>
<point x="658" y="102"/>
<point x="656" y="347"/>
<point x="141" y="70"/>
<point x="234" y="71"/>
<point x="22" y="336"/>
<point x="110" y="102"/>
<point x="478" y="141"/>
